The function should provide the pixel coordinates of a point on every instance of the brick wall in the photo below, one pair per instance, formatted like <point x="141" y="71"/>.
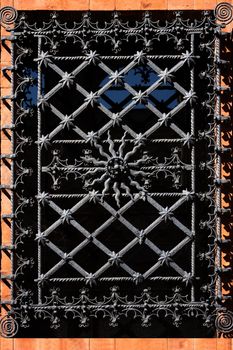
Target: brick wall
<point x="110" y="4"/>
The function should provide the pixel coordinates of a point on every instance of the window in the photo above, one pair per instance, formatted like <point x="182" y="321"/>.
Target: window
<point x="116" y="169"/>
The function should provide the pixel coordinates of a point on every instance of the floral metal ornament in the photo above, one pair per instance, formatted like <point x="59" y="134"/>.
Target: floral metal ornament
<point x="117" y="170"/>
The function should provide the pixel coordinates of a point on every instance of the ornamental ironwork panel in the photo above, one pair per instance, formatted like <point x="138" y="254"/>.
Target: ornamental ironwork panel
<point x="116" y="171"/>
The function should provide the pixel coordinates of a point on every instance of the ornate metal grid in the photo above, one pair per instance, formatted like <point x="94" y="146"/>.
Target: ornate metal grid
<point x="124" y="195"/>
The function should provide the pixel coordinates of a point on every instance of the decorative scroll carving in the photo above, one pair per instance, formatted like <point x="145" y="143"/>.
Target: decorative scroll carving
<point x="8" y="327"/>
<point x="224" y="322"/>
<point x="8" y="15"/>
<point x="224" y="12"/>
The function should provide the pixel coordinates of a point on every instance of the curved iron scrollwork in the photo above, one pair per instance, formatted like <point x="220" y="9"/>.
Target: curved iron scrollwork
<point x="8" y="15"/>
<point x="224" y="12"/>
<point x="116" y="132"/>
<point x="8" y="326"/>
<point x="224" y="322"/>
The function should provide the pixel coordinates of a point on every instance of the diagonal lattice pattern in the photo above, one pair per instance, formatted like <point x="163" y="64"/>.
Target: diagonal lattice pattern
<point x="115" y="257"/>
<point x="122" y="169"/>
<point x="93" y="98"/>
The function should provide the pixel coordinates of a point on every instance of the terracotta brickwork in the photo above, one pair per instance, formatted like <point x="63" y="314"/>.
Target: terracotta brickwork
<point x="111" y="4"/>
<point x="87" y="344"/>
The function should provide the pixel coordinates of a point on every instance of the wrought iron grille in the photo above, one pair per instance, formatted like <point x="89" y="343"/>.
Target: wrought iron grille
<point x="116" y="166"/>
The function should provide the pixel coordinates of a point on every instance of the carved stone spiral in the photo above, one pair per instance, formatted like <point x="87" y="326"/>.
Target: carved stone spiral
<point x="224" y="12"/>
<point x="8" y="327"/>
<point x="8" y="15"/>
<point x="224" y="322"/>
